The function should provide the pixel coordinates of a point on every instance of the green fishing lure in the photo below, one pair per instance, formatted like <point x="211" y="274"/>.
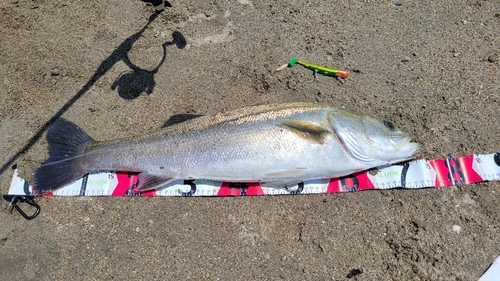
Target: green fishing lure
<point x="320" y="69"/>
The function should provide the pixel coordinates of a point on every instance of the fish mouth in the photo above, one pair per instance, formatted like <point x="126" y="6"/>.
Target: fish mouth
<point x="407" y="147"/>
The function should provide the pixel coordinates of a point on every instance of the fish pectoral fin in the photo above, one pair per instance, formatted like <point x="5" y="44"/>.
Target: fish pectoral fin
<point x="150" y="182"/>
<point x="306" y="130"/>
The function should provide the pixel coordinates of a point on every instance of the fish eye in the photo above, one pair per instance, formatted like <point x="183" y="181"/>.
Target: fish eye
<point x="389" y="125"/>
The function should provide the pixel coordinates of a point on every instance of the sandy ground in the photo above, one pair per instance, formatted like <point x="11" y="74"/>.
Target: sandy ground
<point x="431" y="67"/>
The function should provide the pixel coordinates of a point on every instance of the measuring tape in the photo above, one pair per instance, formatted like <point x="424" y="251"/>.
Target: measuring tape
<point x="412" y="175"/>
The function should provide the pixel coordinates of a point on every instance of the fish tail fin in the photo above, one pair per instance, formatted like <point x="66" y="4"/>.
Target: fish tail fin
<point x="66" y="141"/>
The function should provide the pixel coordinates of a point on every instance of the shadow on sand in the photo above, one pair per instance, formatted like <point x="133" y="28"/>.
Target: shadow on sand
<point x="129" y="86"/>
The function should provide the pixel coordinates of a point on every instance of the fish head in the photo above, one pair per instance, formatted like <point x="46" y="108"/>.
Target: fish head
<point x="372" y="140"/>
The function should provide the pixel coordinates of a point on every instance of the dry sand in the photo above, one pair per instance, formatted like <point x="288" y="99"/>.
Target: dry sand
<point x="431" y="67"/>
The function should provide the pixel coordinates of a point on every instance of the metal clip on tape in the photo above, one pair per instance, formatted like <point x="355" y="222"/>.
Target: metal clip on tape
<point x="15" y="199"/>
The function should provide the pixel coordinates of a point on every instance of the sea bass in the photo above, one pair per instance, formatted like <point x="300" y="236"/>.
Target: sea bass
<point x="276" y="145"/>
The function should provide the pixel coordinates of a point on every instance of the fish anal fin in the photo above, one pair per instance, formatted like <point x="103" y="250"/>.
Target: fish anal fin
<point x="279" y="183"/>
<point x="149" y="182"/>
<point x="283" y="178"/>
<point x="306" y="130"/>
<point x="291" y="173"/>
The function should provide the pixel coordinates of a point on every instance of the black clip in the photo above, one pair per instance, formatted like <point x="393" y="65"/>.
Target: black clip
<point x="14" y="199"/>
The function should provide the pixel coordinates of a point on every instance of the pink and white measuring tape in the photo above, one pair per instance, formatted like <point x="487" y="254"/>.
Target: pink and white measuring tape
<point x="412" y="175"/>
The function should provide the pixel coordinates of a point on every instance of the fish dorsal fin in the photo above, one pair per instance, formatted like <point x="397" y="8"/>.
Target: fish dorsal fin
<point x="150" y="182"/>
<point x="306" y="130"/>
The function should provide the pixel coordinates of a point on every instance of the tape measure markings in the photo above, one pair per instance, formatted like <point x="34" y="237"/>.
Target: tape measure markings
<point x="412" y="175"/>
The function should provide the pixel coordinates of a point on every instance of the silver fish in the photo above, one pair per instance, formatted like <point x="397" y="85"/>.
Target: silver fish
<point x="276" y="145"/>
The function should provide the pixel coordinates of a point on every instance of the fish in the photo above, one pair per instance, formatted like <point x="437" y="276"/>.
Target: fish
<point x="277" y="145"/>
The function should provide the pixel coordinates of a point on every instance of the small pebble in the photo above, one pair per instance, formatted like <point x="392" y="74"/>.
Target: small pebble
<point x="405" y="59"/>
<point x="493" y="58"/>
<point x="354" y="272"/>
<point x="54" y="71"/>
<point x="457" y="229"/>
<point x="399" y="3"/>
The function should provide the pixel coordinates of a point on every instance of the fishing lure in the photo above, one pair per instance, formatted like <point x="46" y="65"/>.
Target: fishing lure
<point x="321" y="69"/>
